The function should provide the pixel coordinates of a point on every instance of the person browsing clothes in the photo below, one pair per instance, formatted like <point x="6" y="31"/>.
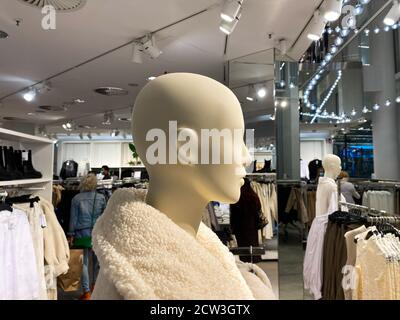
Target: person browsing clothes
<point x="347" y="188"/>
<point x="86" y="208"/>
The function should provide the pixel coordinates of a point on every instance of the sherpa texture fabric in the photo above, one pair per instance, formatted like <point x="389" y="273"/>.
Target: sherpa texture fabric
<point x="145" y="255"/>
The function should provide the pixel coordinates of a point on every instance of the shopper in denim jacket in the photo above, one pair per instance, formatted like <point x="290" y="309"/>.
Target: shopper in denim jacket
<point x="86" y="208"/>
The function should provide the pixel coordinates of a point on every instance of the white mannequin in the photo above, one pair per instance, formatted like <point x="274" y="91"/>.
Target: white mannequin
<point x="327" y="188"/>
<point x="154" y="246"/>
<point x="195" y="102"/>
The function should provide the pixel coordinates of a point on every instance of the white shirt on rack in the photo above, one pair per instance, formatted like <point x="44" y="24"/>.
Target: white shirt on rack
<point x="18" y="271"/>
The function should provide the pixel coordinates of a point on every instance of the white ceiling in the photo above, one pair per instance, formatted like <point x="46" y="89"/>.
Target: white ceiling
<point x="31" y="54"/>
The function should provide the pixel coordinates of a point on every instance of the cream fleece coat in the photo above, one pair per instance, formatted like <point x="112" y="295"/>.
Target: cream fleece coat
<point x="56" y="249"/>
<point x="145" y="255"/>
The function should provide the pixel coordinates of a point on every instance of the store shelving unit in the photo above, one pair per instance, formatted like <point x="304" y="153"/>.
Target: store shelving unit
<point x="42" y="159"/>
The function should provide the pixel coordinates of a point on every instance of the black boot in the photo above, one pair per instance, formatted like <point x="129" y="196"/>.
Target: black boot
<point x="10" y="165"/>
<point x="4" y="175"/>
<point x="28" y="167"/>
<point x="18" y="161"/>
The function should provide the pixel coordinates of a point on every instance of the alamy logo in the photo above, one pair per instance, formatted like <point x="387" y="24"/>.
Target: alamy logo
<point x="49" y="20"/>
<point x="349" y="21"/>
<point x="350" y="279"/>
<point x="186" y="146"/>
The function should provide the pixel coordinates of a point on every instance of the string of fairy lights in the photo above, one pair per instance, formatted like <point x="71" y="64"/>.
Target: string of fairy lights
<point x="318" y="112"/>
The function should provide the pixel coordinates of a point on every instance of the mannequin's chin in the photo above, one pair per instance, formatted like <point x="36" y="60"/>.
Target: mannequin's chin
<point x="230" y="198"/>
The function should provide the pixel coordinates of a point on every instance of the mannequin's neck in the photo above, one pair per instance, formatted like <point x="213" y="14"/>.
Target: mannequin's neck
<point x="329" y="174"/>
<point x="182" y="207"/>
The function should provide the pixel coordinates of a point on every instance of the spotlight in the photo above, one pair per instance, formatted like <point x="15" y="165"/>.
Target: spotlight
<point x="376" y="107"/>
<point x="282" y="83"/>
<point x="388" y="103"/>
<point x="228" y="27"/>
<point x="108" y="118"/>
<point x="353" y="112"/>
<point x="337" y="29"/>
<point x="334" y="49"/>
<point x="115" y="133"/>
<point x="367" y="31"/>
<point x="150" y="47"/>
<point x="377" y="30"/>
<point x="292" y="85"/>
<point x="284" y="103"/>
<point x="230" y="10"/>
<point x="30" y="95"/>
<point x="316" y="27"/>
<point x="251" y="93"/>
<point x="325" y="113"/>
<point x="137" y="50"/>
<point x="333" y="10"/>
<point x="393" y="15"/>
<point x="398" y="99"/>
<point x="262" y="93"/>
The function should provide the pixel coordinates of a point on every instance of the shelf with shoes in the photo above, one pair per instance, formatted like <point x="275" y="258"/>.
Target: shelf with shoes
<point x="26" y="160"/>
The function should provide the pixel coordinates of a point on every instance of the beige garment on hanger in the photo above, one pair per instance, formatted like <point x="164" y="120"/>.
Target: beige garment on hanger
<point x="267" y="231"/>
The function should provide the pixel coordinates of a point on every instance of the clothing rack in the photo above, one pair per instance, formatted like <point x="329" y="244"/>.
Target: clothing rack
<point x="380" y="185"/>
<point x="367" y="210"/>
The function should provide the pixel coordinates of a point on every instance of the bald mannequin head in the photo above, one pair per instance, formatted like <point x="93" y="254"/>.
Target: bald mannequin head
<point x="194" y="103"/>
<point x="332" y="166"/>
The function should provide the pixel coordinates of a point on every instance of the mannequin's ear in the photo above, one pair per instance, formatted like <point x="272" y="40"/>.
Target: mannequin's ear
<point x="188" y="146"/>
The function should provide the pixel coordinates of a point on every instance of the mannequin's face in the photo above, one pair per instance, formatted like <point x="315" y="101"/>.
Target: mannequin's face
<point x="222" y="181"/>
<point x="197" y="104"/>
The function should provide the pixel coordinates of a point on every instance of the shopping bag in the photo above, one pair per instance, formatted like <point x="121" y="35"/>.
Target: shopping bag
<point x="72" y="279"/>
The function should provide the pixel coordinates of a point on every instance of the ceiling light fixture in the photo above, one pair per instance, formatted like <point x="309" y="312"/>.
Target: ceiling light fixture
<point x="393" y="15"/>
<point x="228" y="27"/>
<point x="251" y="93"/>
<point x="262" y="92"/>
<point x="365" y="110"/>
<point x="150" y="47"/>
<point x="398" y="99"/>
<point x="137" y="49"/>
<point x="376" y="107"/>
<point x="388" y="103"/>
<point x="333" y="10"/>
<point x="108" y="118"/>
<point x="353" y="112"/>
<point x="30" y="95"/>
<point x="115" y="133"/>
<point x="284" y="103"/>
<point x="230" y="10"/>
<point x="316" y="28"/>
<point x="3" y="34"/>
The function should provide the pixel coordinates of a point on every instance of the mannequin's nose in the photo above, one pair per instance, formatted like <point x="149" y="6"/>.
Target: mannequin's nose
<point x="247" y="159"/>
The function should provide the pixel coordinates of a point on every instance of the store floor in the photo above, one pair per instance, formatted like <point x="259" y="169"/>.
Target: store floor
<point x="291" y="257"/>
